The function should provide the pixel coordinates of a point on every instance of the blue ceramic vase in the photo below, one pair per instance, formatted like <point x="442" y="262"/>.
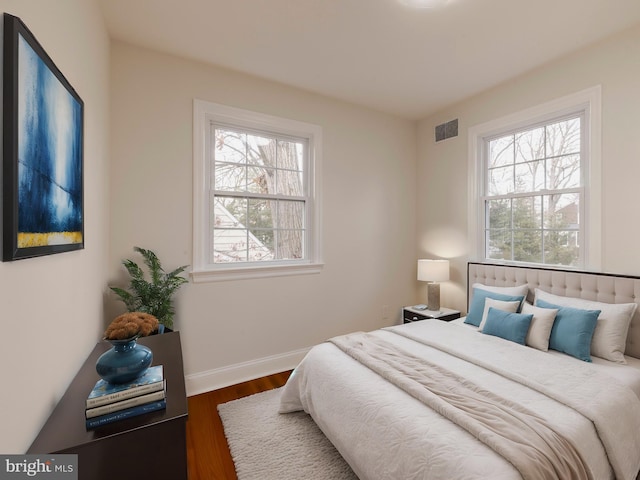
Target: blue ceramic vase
<point x="125" y="361"/>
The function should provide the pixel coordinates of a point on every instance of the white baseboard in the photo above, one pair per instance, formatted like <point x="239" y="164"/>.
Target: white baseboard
<point x="241" y="372"/>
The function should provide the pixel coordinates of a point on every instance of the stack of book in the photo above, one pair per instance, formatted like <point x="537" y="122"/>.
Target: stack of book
<point x="110" y="402"/>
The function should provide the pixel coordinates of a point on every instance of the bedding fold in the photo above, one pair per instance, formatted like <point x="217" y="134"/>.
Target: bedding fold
<point x="613" y="408"/>
<point x="523" y="438"/>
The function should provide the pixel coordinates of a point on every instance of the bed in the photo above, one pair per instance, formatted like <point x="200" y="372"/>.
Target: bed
<point x="469" y="400"/>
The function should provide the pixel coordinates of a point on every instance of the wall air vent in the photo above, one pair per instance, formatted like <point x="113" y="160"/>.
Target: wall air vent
<point x="447" y="130"/>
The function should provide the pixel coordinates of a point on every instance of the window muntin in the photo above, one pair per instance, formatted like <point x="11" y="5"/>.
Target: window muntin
<point x="534" y="193"/>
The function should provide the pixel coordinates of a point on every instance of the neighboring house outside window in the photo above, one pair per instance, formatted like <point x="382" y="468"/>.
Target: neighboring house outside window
<point x="256" y="194"/>
<point x="534" y="186"/>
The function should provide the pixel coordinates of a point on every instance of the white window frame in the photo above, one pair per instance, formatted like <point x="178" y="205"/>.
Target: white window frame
<point x="204" y="114"/>
<point x="589" y="103"/>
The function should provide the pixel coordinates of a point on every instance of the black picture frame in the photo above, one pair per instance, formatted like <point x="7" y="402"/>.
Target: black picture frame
<point x="43" y="151"/>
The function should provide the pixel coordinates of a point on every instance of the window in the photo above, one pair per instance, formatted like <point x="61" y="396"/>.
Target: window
<point x="256" y="205"/>
<point x="534" y="194"/>
<point x="535" y="200"/>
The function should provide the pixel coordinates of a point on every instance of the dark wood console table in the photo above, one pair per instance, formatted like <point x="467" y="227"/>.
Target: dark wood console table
<point x="152" y="445"/>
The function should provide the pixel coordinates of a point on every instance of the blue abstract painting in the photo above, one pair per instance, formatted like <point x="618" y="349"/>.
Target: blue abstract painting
<point x="50" y="156"/>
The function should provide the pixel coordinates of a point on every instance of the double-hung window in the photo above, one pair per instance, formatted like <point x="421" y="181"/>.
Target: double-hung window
<point x="534" y="194"/>
<point x="256" y="205"/>
<point x="534" y="179"/>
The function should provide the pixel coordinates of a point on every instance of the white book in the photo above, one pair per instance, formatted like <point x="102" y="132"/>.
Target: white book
<point x="128" y="403"/>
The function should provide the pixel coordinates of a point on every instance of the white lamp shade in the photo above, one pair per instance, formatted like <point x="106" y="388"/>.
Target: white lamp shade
<point x="433" y="270"/>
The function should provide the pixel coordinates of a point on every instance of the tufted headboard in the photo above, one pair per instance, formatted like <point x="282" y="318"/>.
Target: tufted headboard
<point x="601" y="287"/>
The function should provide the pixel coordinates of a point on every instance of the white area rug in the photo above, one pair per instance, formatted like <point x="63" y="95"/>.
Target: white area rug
<point x="267" y="445"/>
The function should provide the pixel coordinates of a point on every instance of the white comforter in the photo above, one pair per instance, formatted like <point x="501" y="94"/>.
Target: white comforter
<point x="384" y="433"/>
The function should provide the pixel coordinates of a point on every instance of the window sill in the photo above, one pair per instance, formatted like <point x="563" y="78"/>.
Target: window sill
<point x="241" y="273"/>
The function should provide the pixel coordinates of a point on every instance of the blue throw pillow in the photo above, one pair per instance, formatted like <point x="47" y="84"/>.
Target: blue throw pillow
<point x="510" y="326"/>
<point x="476" y="309"/>
<point x="572" y="330"/>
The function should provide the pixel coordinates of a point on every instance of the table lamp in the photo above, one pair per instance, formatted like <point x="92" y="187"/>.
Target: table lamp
<point x="433" y="271"/>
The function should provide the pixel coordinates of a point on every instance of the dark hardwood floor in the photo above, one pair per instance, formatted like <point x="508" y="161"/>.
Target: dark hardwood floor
<point x="208" y="454"/>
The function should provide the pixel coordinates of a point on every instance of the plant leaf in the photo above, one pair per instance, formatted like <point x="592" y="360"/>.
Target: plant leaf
<point x="152" y="261"/>
<point x="133" y="268"/>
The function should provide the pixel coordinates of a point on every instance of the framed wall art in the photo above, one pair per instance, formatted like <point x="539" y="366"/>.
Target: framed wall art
<point x="43" y="152"/>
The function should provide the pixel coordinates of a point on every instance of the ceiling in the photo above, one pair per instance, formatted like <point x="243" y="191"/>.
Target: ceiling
<point x="377" y="53"/>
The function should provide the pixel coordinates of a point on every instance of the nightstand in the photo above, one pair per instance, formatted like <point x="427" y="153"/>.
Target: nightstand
<point x="410" y="314"/>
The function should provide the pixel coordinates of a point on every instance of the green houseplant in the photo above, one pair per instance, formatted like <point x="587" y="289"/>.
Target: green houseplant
<point x="153" y="295"/>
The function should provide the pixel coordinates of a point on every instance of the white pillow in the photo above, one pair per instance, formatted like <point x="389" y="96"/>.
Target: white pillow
<point x="519" y="290"/>
<point x="511" y="307"/>
<point x="610" y="336"/>
<point x="541" y="325"/>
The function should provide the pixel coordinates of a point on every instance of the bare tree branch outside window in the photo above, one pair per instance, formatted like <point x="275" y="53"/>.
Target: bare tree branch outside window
<point x="533" y="194"/>
<point x="259" y="197"/>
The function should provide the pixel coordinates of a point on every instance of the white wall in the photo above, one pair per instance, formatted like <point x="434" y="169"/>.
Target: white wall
<point x="369" y="212"/>
<point x="51" y="308"/>
<point x="613" y="64"/>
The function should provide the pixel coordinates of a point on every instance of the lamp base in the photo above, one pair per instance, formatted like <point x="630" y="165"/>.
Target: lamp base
<point x="433" y="296"/>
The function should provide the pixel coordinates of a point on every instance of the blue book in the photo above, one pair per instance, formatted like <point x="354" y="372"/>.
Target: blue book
<point x="128" y="413"/>
<point x="104" y="393"/>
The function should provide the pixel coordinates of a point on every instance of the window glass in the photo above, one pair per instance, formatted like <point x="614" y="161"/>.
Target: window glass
<point x="259" y="188"/>
<point x="533" y="194"/>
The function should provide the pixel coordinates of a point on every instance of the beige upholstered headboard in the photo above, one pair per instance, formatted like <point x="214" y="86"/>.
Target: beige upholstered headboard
<point x="601" y="287"/>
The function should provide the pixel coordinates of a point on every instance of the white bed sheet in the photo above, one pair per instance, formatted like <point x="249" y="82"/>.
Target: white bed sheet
<point x="384" y="433"/>
<point x="626" y="374"/>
